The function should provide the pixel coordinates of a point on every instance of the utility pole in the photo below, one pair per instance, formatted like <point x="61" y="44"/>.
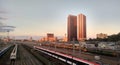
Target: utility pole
<point x="79" y="49"/>
<point x="73" y="48"/>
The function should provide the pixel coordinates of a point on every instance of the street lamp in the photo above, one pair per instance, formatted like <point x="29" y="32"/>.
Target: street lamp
<point x="55" y="47"/>
<point x="79" y="49"/>
<point x="73" y="48"/>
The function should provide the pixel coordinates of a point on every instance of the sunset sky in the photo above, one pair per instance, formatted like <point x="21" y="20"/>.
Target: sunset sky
<point x="38" y="17"/>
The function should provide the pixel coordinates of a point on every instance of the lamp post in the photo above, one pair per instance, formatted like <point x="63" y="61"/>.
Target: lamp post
<point x="55" y="47"/>
<point x="73" y="48"/>
<point x="8" y="35"/>
<point x="79" y="49"/>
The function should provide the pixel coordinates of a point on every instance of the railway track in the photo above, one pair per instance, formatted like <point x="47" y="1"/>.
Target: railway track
<point x="12" y="62"/>
<point x="26" y="58"/>
<point x="23" y="57"/>
<point x="52" y="59"/>
<point x="105" y="59"/>
<point x="4" y="60"/>
<point x="49" y="60"/>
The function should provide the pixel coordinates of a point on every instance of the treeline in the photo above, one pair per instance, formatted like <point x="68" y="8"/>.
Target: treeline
<point x="111" y="38"/>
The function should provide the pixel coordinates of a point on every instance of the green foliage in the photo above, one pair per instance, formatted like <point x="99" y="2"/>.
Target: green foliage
<point x="114" y="38"/>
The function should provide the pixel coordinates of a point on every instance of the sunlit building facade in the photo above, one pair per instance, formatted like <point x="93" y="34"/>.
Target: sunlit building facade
<point x="50" y="37"/>
<point x="101" y="36"/>
<point x="64" y="39"/>
<point x="81" y="27"/>
<point x="72" y="28"/>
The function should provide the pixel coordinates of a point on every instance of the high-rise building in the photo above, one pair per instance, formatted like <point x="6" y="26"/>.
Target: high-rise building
<point x="81" y="27"/>
<point x="72" y="28"/>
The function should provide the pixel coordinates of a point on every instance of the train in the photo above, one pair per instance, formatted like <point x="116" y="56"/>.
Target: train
<point x="68" y="46"/>
<point x="4" y="50"/>
<point x="65" y="58"/>
<point x="83" y="48"/>
<point x="13" y="54"/>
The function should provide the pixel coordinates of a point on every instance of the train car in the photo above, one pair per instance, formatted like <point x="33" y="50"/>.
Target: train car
<point x="4" y="50"/>
<point x="13" y="57"/>
<point x="66" y="58"/>
<point x="14" y="53"/>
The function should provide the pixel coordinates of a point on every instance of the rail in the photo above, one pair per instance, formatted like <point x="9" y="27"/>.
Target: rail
<point x="65" y="58"/>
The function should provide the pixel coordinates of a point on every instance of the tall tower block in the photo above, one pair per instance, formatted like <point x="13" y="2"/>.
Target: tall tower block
<point x="72" y="28"/>
<point x="81" y="27"/>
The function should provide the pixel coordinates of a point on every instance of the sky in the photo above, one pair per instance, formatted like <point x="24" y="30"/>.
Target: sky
<point x="38" y="17"/>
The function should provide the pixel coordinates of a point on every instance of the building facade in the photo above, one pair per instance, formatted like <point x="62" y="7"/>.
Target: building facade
<point x="101" y="36"/>
<point x="81" y="27"/>
<point x="72" y="28"/>
<point x="50" y="37"/>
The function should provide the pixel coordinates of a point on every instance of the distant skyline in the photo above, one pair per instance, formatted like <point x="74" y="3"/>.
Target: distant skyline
<point x="39" y="17"/>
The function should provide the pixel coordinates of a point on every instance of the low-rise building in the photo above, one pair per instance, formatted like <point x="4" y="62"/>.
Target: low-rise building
<point x="101" y="36"/>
